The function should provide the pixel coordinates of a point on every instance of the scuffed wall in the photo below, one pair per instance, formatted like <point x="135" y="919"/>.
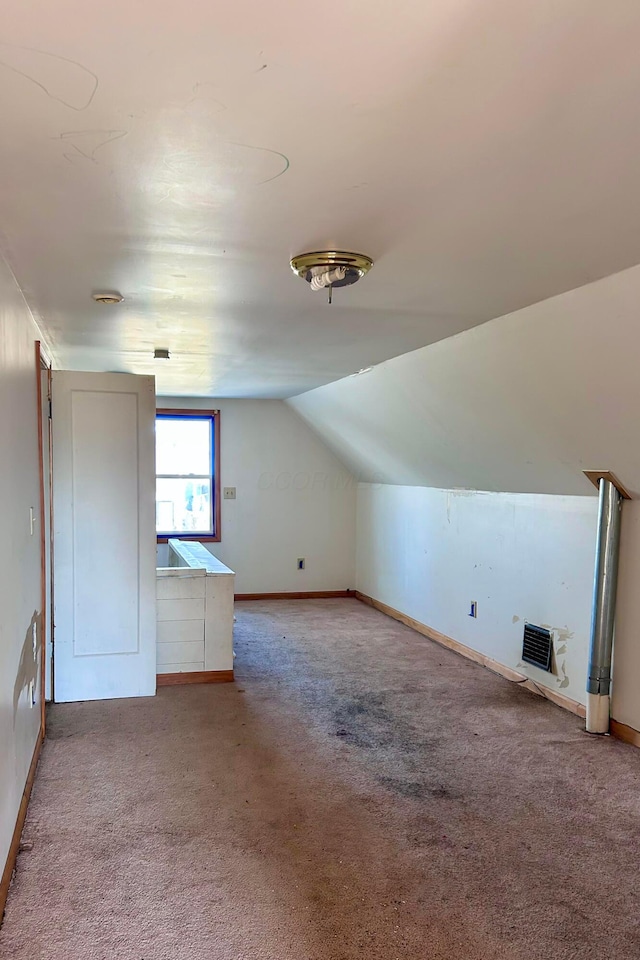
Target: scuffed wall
<point x="521" y="557"/>
<point x="20" y="556"/>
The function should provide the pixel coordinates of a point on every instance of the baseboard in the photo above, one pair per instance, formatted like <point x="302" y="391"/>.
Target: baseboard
<point x="14" y="848"/>
<point x="470" y="654"/>
<point x="194" y="676"/>
<point x="304" y="595"/>
<point x="624" y="732"/>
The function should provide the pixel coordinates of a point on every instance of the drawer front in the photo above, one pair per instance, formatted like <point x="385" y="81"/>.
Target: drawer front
<point x="176" y="652"/>
<point x="180" y="588"/>
<point x="180" y="631"/>
<point x="179" y="610"/>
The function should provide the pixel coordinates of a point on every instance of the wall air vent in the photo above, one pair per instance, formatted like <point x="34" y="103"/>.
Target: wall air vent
<point x="537" y="646"/>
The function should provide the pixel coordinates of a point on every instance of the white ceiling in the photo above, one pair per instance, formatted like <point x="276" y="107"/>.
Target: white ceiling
<point x="525" y="403"/>
<point x="484" y="154"/>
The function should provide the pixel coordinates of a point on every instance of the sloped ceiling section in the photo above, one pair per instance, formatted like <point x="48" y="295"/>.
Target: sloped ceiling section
<point x="523" y="403"/>
<point x="484" y="154"/>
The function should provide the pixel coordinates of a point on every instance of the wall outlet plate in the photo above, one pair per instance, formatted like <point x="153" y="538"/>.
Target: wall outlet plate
<point x="228" y="493"/>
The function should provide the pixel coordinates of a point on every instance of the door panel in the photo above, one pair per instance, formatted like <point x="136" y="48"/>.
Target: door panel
<point x="104" y="535"/>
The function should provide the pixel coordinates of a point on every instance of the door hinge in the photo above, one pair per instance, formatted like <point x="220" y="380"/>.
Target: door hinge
<point x="50" y="408"/>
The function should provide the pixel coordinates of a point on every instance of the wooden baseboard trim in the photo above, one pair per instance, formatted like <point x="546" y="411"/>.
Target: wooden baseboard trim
<point x="194" y="676"/>
<point x="14" y="848"/>
<point x="470" y="654"/>
<point x="305" y="595"/>
<point x="624" y="732"/>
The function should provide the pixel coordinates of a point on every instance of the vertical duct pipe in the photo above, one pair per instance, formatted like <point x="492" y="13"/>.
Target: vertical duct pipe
<point x="605" y="584"/>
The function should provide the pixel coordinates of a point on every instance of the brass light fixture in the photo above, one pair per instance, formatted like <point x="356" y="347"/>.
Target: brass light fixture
<point x="326" y="269"/>
<point x="108" y="297"/>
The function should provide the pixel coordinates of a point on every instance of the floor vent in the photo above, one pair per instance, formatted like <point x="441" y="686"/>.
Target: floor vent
<point x="537" y="646"/>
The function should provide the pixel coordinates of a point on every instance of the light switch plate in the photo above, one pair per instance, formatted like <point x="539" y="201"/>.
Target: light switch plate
<point x="229" y="493"/>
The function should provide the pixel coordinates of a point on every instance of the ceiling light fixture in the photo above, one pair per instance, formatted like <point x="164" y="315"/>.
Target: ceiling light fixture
<point x="324" y="269"/>
<point x="161" y="353"/>
<point x="107" y="298"/>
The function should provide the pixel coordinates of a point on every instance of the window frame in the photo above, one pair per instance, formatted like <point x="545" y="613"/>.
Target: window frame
<point x="214" y="417"/>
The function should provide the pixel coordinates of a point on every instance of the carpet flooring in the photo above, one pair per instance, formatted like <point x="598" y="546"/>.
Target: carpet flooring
<point x="358" y="793"/>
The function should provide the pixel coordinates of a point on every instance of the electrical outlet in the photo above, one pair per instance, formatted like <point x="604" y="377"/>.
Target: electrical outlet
<point x="301" y="563"/>
<point x="229" y="493"/>
<point x="473" y="612"/>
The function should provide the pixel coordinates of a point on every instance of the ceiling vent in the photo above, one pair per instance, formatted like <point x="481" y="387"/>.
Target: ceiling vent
<point x="326" y="269"/>
<point x="537" y="646"/>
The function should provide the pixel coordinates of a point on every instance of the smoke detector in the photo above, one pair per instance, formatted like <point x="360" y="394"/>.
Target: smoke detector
<point x="326" y="269"/>
<point x="108" y="298"/>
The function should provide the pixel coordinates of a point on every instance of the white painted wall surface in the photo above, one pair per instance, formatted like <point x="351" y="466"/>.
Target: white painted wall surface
<point x="429" y="553"/>
<point x="294" y="498"/>
<point x="20" y="554"/>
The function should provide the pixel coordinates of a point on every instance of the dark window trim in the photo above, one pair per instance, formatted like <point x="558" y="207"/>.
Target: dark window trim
<point x="214" y="415"/>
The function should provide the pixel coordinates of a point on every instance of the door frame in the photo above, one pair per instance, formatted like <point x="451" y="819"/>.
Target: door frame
<point x="43" y="364"/>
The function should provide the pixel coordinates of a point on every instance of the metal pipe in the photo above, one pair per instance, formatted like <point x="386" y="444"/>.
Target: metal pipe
<point x="605" y="583"/>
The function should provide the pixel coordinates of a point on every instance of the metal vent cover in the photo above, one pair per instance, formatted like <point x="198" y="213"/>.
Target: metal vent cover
<point x="537" y="646"/>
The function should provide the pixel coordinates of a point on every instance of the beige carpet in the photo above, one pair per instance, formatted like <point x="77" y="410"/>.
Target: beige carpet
<point x="359" y="792"/>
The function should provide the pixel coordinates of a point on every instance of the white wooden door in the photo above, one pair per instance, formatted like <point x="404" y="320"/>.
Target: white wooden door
<point x="104" y="535"/>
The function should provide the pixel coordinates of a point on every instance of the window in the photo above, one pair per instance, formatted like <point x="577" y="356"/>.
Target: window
<point x="188" y="474"/>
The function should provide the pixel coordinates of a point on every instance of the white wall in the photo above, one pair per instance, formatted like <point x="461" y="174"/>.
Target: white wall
<point x="20" y="554"/>
<point x="429" y="553"/>
<point x="294" y="499"/>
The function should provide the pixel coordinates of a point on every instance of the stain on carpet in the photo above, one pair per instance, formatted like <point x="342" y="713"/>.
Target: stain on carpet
<point x="370" y="796"/>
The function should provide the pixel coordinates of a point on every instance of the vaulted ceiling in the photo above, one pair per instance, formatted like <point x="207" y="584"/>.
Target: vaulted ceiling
<point x="484" y="154"/>
<point x="525" y="403"/>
